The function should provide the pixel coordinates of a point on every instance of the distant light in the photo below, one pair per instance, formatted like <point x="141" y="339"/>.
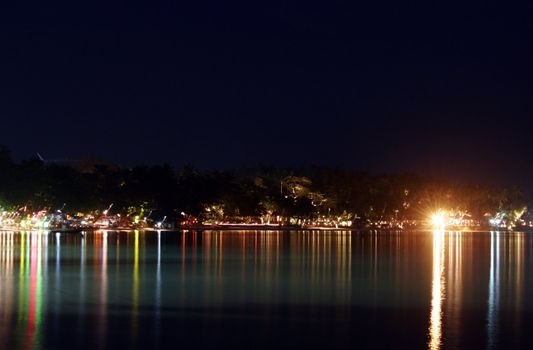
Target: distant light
<point x="495" y="222"/>
<point x="438" y="219"/>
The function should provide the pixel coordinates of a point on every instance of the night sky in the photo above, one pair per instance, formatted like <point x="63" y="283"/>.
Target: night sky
<point x="433" y="88"/>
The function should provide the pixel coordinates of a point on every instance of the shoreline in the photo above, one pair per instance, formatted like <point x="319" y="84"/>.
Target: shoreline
<point x="237" y="227"/>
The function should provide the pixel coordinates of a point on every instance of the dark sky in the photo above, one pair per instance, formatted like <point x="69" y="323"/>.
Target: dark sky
<point x="432" y="87"/>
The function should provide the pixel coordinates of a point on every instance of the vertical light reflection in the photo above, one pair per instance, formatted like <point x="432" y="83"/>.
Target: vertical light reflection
<point x="278" y="260"/>
<point x="102" y="314"/>
<point x="81" y="303"/>
<point x="494" y="282"/>
<point x="7" y="290"/>
<point x="219" y="262"/>
<point x="135" y="305"/>
<point x="183" y="264"/>
<point x="31" y="318"/>
<point x="206" y="245"/>
<point x="22" y="287"/>
<point x="158" y="289"/>
<point x="266" y="245"/>
<point x="22" y="284"/>
<point x="158" y="274"/>
<point x="454" y="289"/>
<point x="519" y="279"/>
<point x="57" y="286"/>
<point x="242" y="290"/>
<point x="30" y="327"/>
<point x="437" y="292"/>
<point x="374" y="263"/>
<point x="343" y="268"/>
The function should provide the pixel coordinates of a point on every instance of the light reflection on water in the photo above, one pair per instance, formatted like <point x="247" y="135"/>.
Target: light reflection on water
<point x="370" y="289"/>
<point x="492" y="309"/>
<point x="437" y="291"/>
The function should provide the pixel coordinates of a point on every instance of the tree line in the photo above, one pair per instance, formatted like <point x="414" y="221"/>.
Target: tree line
<point x="266" y="192"/>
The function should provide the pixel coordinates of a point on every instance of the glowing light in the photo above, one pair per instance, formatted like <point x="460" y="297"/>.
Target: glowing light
<point x="438" y="219"/>
<point x="135" y="305"/>
<point x="494" y="282"/>
<point x="437" y="293"/>
<point x="495" y="222"/>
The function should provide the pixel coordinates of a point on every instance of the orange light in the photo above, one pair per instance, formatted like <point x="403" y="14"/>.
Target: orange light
<point x="438" y="219"/>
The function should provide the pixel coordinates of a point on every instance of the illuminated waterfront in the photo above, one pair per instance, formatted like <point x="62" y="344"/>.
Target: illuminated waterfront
<point x="373" y="289"/>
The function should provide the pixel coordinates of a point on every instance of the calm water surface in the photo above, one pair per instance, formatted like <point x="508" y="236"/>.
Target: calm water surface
<point x="264" y="289"/>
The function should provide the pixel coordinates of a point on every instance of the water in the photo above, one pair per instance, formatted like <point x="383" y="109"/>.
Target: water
<point x="266" y="289"/>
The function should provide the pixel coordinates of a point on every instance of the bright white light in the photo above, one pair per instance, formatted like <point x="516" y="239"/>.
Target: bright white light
<point x="438" y="219"/>
<point x="495" y="222"/>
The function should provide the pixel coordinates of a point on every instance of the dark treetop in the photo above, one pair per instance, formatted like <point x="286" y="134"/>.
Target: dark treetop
<point x="304" y="193"/>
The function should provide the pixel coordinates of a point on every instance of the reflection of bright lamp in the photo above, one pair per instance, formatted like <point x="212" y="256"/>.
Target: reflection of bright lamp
<point x="438" y="220"/>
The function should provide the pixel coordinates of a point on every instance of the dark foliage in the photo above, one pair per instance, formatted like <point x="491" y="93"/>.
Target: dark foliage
<point x="300" y="193"/>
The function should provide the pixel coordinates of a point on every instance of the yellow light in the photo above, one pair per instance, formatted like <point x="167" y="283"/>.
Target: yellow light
<point x="438" y="219"/>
